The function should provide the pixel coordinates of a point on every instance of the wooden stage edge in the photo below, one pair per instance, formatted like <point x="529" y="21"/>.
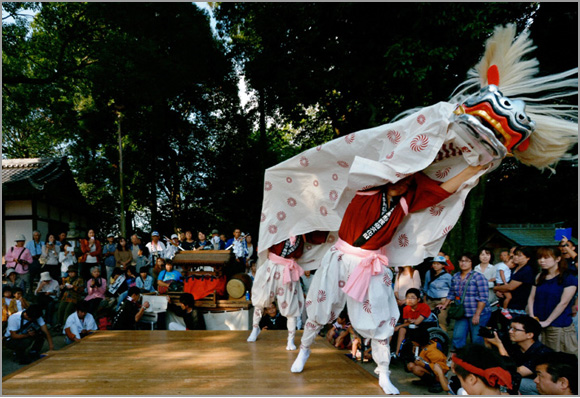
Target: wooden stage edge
<point x="196" y="362"/>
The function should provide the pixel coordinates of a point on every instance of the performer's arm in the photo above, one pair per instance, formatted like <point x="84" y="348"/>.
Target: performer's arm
<point x="454" y="183"/>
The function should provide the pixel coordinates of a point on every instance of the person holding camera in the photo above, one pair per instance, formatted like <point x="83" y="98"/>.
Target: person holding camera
<point x="470" y="290"/>
<point x="525" y="349"/>
<point x="26" y="329"/>
<point x="19" y="258"/>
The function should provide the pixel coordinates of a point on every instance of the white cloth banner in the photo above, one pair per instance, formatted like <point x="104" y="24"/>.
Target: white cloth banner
<point x="311" y="191"/>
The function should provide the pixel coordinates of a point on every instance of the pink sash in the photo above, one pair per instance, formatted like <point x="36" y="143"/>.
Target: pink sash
<point x="292" y="271"/>
<point x="371" y="264"/>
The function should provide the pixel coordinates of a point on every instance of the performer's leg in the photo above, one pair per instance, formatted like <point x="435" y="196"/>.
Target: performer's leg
<point x="311" y="330"/>
<point x="291" y="322"/>
<point x="382" y="357"/>
<point x="258" y="312"/>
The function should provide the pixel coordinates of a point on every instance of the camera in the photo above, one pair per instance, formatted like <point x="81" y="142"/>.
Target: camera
<point x="486" y="332"/>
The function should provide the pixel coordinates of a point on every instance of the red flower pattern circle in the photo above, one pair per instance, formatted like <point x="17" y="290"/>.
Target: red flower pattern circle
<point x="390" y="155"/>
<point x="262" y="217"/>
<point x="333" y="195"/>
<point x="280" y="291"/>
<point x="318" y="148"/>
<point x="465" y="149"/>
<point x="281" y="215"/>
<point x="349" y="138"/>
<point x="394" y="136"/>
<point x="332" y="316"/>
<point x="387" y="280"/>
<point x="335" y="177"/>
<point x="315" y="183"/>
<point x="403" y="240"/>
<point x="272" y="294"/>
<point x="436" y="210"/>
<point x="289" y="180"/>
<point x="447" y="230"/>
<point x="341" y="284"/>
<point x="291" y="202"/>
<point x="421" y="119"/>
<point x="267" y="186"/>
<point x="367" y="307"/>
<point x="393" y="322"/>
<point x="382" y="324"/>
<point x="272" y="229"/>
<point x="342" y="163"/>
<point x="323" y="211"/>
<point x="419" y="143"/>
<point x="268" y="270"/>
<point x="304" y="161"/>
<point x="284" y="305"/>
<point x="440" y="174"/>
<point x="321" y="296"/>
<point x="276" y="275"/>
<point x="307" y="304"/>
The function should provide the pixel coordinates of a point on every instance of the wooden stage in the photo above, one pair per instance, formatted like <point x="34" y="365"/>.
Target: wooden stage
<point x="190" y="363"/>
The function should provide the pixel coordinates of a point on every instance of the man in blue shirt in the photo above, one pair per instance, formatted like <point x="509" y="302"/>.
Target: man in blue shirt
<point x="35" y="248"/>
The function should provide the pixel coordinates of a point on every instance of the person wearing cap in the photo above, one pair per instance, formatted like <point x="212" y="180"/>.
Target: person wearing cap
<point x="12" y="279"/>
<point x="109" y="254"/>
<point x="172" y="247"/>
<point x="47" y="294"/>
<point x="79" y="324"/>
<point x="19" y="258"/>
<point x="436" y="287"/>
<point x="155" y="247"/>
<point x="216" y="241"/>
<point x="26" y="329"/>
<point x="73" y="286"/>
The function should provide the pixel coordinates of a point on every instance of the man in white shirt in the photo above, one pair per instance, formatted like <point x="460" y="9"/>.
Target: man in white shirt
<point x="23" y="331"/>
<point x="79" y="324"/>
<point x="155" y="247"/>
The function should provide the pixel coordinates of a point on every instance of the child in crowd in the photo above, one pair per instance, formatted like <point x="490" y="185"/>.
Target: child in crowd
<point x="339" y="335"/>
<point x="356" y="343"/>
<point x="6" y="300"/>
<point x="141" y="261"/>
<point x="272" y="319"/>
<point x="414" y="313"/>
<point x="12" y="279"/>
<point x="504" y="276"/>
<point x="145" y="281"/>
<point x="18" y="303"/>
<point x="430" y="363"/>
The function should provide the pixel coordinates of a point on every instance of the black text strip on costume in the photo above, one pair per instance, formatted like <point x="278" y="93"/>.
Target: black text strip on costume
<point x="289" y="247"/>
<point x="386" y="213"/>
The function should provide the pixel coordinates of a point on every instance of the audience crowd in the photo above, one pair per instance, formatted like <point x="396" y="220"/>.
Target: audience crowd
<point x="512" y="325"/>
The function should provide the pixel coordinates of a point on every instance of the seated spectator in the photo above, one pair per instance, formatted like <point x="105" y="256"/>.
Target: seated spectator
<point x="130" y="280"/>
<point x="183" y="310"/>
<point x="157" y="268"/>
<point x="356" y="346"/>
<point x="557" y="374"/>
<point x="96" y="287"/>
<point x="339" y="335"/>
<point x="12" y="279"/>
<point x="252" y="271"/>
<point x="18" y="303"/>
<point x="480" y="370"/>
<point x="272" y="320"/>
<point x="47" y="294"/>
<point x="79" y="324"/>
<point x="24" y="332"/>
<point x="6" y="300"/>
<point x="145" y="281"/>
<point x="123" y="255"/>
<point x="431" y="364"/>
<point x="130" y="312"/>
<point x="524" y="350"/>
<point x="167" y="277"/>
<point x="414" y="313"/>
<point x="73" y="287"/>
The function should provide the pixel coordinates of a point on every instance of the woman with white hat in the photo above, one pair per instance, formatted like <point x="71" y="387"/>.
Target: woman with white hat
<point x="47" y="294"/>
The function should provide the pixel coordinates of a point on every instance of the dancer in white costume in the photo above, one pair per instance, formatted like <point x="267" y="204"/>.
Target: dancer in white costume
<point x="279" y="279"/>
<point x="354" y="272"/>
